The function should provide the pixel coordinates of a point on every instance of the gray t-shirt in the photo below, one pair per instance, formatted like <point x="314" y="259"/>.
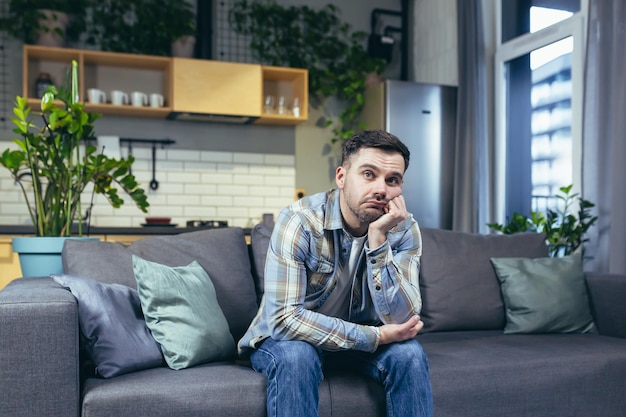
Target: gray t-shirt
<point x="338" y="302"/>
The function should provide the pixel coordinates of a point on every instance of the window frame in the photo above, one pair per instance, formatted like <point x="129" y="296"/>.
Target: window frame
<point x="574" y="26"/>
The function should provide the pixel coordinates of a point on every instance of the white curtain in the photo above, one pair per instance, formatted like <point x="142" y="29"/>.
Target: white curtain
<point x="604" y="138"/>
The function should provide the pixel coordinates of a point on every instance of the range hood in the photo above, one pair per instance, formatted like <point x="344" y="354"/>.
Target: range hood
<point x="214" y="118"/>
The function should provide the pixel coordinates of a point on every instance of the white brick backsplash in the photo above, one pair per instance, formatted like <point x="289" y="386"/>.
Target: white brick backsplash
<point x="193" y="185"/>
<point x="200" y="189"/>
<point x="232" y="212"/>
<point x="233" y="190"/>
<point x="248" y="158"/>
<point x="200" y="166"/>
<point x="184" y="177"/>
<point x="280" y="160"/>
<point x="279" y="180"/>
<point x="216" y="178"/>
<point x="262" y="170"/>
<point x="248" y="179"/>
<point x="248" y="201"/>
<point x="216" y="156"/>
<point x="200" y="213"/>
<point x="183" y="200"/>
<point x="181" y="155"/>
<point x="264" y="190"/>
<point x="217" y="200"/>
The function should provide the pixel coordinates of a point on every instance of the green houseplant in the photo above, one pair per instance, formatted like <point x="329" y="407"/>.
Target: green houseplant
<point x="318" y="40"/>
<point x="26" y="20"/>
<point x="53" y="166"/>
<point x="565" y="232"/>
<point x="123" y="25"/>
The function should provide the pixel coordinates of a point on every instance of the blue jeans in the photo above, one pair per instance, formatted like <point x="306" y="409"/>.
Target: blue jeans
<point x="294" y="370"/>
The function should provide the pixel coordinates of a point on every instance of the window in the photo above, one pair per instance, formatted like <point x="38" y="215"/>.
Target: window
<point x="539" y="72"/>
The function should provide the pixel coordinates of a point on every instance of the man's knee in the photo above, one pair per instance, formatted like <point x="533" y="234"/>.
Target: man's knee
<point x="410" y="354"/>
<point x="294" y="355"/>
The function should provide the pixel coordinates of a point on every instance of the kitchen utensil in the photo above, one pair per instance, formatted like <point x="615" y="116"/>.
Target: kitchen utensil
<point x="154" y="184"/>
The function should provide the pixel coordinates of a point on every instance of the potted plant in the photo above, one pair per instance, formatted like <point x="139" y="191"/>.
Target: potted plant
<point x="121" y="25"/>
<point x="181" y="27"/>
<point x="565" y="232"/>
<point x="318" y="40"/>
<point x="45" y="22"/>
<point x="53" y="166"/>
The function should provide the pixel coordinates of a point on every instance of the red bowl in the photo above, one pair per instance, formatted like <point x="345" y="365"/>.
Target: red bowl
<point x="158" y="220"/>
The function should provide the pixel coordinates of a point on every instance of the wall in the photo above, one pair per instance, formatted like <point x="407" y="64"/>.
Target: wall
<point x="208" y="185"/>
<point x="306" y="158"/>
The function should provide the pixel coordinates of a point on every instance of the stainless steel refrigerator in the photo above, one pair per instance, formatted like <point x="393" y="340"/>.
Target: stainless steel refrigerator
<point x="423" y="116"/>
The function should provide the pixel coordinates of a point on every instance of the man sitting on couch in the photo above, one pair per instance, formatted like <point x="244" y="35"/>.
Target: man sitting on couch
<point x="341" y="285"/>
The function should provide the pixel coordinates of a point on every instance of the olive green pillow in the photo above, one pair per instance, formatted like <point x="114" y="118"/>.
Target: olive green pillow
<point x="182" y="312"/>
<point x="544" y="295"/>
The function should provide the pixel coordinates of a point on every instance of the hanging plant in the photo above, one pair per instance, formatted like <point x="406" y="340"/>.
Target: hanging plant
<point x="318" y="40"/>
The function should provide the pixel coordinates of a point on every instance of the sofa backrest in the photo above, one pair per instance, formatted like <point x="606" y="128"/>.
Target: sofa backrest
<point x="223" y="253"/>
<point x="459" y="287"/>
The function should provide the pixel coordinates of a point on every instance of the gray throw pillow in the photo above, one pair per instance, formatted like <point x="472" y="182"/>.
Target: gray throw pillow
<point x="223" y="254"/>
<point x="459" y="287"/>
<point x="112" y="325"/>
<point x="544" y="295"/>
<point x="182" y="312"/>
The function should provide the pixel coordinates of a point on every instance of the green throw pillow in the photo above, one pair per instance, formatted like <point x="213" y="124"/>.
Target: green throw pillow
<point x="544" y="295"/>
<point x="182" y="312"/>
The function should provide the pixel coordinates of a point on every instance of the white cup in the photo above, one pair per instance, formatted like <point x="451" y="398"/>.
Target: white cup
<point x="156" y="100"/>
<point x="119" y="97"/>
<point x="137" y="98"/>
<point x="95" y="95"/>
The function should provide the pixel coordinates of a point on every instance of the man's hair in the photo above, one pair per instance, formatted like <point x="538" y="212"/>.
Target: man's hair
<point x="374" y="139"/>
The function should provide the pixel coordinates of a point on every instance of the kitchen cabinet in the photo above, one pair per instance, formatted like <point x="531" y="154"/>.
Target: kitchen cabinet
<point x="9" y="262"/>
<point x="106" y="71"/>
<point x="194" y="86"/>
<point x="216" y="87"/>
<point x="290" y="83"/>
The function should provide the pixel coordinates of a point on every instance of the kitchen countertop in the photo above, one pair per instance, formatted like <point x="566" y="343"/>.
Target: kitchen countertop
<point x="96" y="230"/>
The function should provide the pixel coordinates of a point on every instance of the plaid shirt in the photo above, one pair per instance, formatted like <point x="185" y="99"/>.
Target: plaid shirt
<point x="306" y="255"/>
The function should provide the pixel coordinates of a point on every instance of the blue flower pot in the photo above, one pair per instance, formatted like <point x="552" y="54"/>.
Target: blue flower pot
<point x="41" y="256"/>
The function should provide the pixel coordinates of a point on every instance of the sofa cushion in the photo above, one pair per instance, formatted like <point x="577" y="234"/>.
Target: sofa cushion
<point x="182" y="312"/>
<point x="488" y="373"/>
<point x="459" y="287"/>
<point x="112" y="326"/>
<point x="222" y="252"/>
<point x="259" y="244"/>
<point x="544" y="295"/>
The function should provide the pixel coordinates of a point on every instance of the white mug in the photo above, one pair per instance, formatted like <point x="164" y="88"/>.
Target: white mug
<point x="156" y="100"/>
<point x="95" y="95"/>
<point x="119" y="97"/>
<point x="137" y="98"/>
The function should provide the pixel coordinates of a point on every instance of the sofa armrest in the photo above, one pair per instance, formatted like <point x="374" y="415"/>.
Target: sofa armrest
<point x="39" y="345"/>
<point x="608" y="302"/>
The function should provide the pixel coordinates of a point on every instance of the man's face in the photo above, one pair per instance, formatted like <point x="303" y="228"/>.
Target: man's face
<point x="368" y="181"/>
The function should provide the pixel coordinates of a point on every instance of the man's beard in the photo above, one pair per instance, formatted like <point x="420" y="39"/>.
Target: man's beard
<point x="364" y="216"/>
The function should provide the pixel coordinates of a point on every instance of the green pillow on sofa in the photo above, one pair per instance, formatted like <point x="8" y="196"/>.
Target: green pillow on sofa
<point x="182" y="312"/>
<point x="544" y="295"/>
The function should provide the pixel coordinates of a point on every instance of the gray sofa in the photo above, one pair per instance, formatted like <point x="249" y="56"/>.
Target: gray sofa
<point x="476" y="369"/>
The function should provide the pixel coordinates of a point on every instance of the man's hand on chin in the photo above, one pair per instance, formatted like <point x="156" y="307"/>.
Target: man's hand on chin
<point x="395" y="212"/>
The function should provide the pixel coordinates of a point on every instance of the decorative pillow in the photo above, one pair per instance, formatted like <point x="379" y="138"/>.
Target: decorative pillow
<point x="459" y="287"/>
<point x="112" y="325"/>
<point x="544" y="295"/>
<point x="222" y="252"/>
<point x="182" y="312"/>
